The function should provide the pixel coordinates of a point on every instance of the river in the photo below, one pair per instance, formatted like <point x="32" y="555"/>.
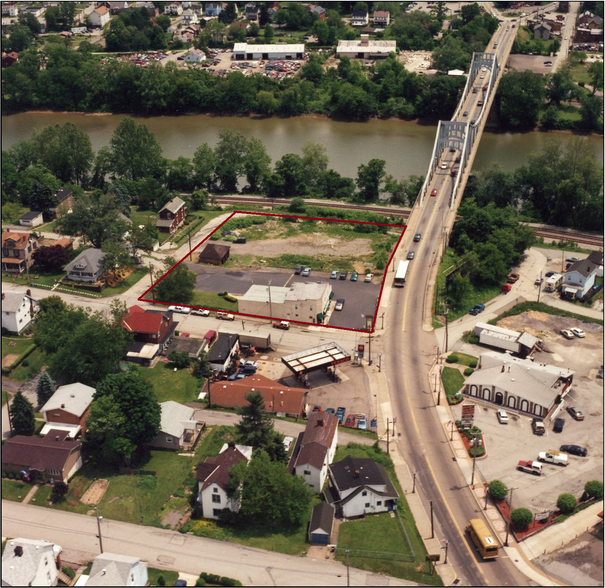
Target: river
<point x="405" y="146"/>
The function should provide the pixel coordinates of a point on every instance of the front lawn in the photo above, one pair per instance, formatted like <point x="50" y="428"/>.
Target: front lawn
<point x="15" y="345"/>
<point x="127" y="283"/>
<point x="464" y="359"/>
<point x="170" y="577"/>
<point x="179" y="386"/>
<point x="453" y="381"/>
<point x="212" y="300"/>
<point x="15" y="490"/>
<point x="35" y="362"/>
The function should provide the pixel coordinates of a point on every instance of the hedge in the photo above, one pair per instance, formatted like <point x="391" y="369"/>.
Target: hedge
<point x="7" y="370"/>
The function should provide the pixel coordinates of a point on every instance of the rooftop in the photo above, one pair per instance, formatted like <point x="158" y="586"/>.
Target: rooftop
<point x="175" y="418"/>
<point x="286" y="48"/>
<point x="313" y="359"/>
<point x="73" y="398"/>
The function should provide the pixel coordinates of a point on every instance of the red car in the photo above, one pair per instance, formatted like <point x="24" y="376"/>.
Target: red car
<point x="434" y="192"/>
<point x="350" y="422"/>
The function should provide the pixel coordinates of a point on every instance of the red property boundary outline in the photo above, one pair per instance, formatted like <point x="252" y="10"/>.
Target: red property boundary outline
<point x="386" y="271"/>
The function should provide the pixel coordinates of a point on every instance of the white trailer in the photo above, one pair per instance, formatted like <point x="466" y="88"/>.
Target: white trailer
<point x="553" y="282"/>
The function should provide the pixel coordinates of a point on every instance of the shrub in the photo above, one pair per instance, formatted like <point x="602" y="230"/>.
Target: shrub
<point x="11" y="476"/>
<point x="566" y="502"/>
<point x="25" y="362"/>
<point x="473" y="339"/>
<point x="476" y="451"/>
<point x="161" y="580"/>
<point x="452" y="358"/>
<point x="200" y="582"/>
<point x="473" y="363"/>
<point x="497" y="489"/>
<point x="4" y="474"/>
<point x="230" y="298"/>
<point x="593" y="489"/>
<point x="521" y="518"/>
<point x="468" y="371"/>
<point x="68" y="572"/>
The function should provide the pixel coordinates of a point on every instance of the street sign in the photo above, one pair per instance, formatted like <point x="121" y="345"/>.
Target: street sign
<point x="468" y="411"/>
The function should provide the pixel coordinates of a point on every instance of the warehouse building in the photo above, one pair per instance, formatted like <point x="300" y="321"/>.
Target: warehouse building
<point x="364" y="48"/>
<point x="244" y="51"/>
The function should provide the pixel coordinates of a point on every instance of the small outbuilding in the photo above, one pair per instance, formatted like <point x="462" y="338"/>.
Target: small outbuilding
<point x="321" y="524"/>
<point x="32" y="219"/>
<point x="215" y="254"/>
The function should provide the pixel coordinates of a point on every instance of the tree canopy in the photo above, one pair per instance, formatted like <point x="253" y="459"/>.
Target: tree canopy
<point x="22" y="415"/>
<point x="177" y="286"/>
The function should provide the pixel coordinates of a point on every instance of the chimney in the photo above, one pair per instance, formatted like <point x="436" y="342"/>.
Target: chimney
<point x="320" y="423"/>
<point x="62" y="406"/>
<point x="18" y="548"/>
<point x="365" y="41"/>
<point x="231" y="444"/>
<point x="57" y="438"/>
<point x="502" y="367"/>
<point x="356" y="474"/>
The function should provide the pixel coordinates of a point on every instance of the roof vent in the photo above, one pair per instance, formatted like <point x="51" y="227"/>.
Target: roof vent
<point x="18" y="550"/>
<point x="57" y="438"/>
<point x="62" y="406"/>
<point x="356" y="474"/>
<point x="320" y="423"/>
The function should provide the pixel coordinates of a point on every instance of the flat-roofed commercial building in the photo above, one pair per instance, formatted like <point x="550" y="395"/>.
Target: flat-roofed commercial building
<point x="365" y="48"/>
<point x="243" y="51"/>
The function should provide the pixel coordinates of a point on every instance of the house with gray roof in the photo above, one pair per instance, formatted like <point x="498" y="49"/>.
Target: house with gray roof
<point x="30" y="562"/>
<point x="33" y="218"/>
<point x="172" y="216"/>
<point x="67" y="409"/>
<point x="86" y="267"/>
<point x="18" y="310"/>
<point x="321" y="524"/>
<point x="359" y="487"/>
<point x="579" y="278"/>
<point x="179" y="429"/>
<point x="113" y="569"/>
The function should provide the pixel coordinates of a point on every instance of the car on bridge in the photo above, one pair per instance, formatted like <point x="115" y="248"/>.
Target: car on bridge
<point x="465" y="113"/>
<point x="434" y="192"/>
<point x="410" y="255"/>
<point x="417" y="237"/>
<point x="443" y="166"/>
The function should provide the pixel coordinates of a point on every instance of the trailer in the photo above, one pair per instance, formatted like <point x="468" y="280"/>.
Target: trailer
<point x="553" y="282"/>
<point x="258" y="341"/>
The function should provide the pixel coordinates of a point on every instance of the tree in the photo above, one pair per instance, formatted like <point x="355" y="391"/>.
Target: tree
<point x="566" y="503"/>
<point x="297" y="205"/>
<point x="199" y="199"/>
<point x="314" y="163"/>
<point x="262" y="477"/>
<point x="256" y="164"/>
<point x="135" y="152"/>
<point x="497" y="489"/>
<point x="41" y="198"/>
<point x="201" y="367"/>
<point x="266" y="103"/>
<point x="180" y="359"/>
<point x="230" y="154"/>
<point x="177" y="286"/>
<point x="369" y="179"/>
<point x="559" y="87"/>
<point x="45" y="388"/>
<point x="521" y="97"/>
<point x="236" y="33"/>
<point x="292" y="179"/>
<point x="269" y="34"/>
<point x="60" y="490"/>
<point x="31" y="22"/>
<point x="204" y="164"/>
<point x="163" y="22"/>
<point x="117" y="257"/>
<point x="591" y="113"/>
<point x="256" y="425"/>
<point x="521" y="518"/>
<point x="51" y="259"/>
<point x="452" y="53"/>
<point x="22" y="415"/>
<point x="593" y="489"/>
<point x="180" y="175"/>
<point x="595" y="72"/>
<point x="229" y="14"/>
<point x="125" y="415"/>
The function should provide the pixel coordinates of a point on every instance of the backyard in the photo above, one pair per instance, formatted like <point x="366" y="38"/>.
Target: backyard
<point x="168" y="384"/>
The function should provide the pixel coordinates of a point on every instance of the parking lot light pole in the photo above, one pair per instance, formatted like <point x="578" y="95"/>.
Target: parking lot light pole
<point x="510" y="509"/>
<point x="99" y="519"/>
<point x="474" y="459"/>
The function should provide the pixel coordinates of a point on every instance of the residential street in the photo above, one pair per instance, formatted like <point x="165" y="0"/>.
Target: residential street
<point x="186" y="553"/>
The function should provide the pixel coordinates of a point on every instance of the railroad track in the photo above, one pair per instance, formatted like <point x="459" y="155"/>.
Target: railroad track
<point x="563" y="235"/>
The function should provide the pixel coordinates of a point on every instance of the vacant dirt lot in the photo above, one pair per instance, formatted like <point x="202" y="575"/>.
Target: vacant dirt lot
<point x="94" y="494"/>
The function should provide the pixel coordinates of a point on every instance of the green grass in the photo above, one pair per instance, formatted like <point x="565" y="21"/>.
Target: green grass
<point x="567" y="246"/>
<point x="212" y="300"/>
<point x="14" y="219"/>
<point x="568" y="112"/>
<point x="128" y="283"/>
<point x="37" y="360"/>
<point x="179" y="386"/>
<point x="170" y="576"/>
<point x="464" y="359"/>
<point x="540" y="307"/>
<point x="5" y="396"/>
<point x="37" y="278"/>
<point x="22" y="344"/>
<point x="452" y="380"/>
<point x="14" y="490"/>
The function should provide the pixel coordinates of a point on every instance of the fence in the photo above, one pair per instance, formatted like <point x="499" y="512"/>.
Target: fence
<point x="131" y="472"/>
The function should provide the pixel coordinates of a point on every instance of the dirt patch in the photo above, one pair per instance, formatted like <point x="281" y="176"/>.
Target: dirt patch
<point x="9" y="359"/>
<point x="172" y="519"/>
<point x="94" y="494"/>
<point x="116" y="278"/>
<point x="544" y="325"/>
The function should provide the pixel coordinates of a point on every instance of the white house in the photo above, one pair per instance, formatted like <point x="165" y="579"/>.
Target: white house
<point x="189" y="17"/>
<point x="315" y="449"/>
<point x="195" y="56"/>
<point x="213" y="479"/>
<point x="30" y="562"/>
<point x="579" y="278"/>
<point x="360" y="486"/>
<point x="113" y="569"/>
<point x="99" y="17"/>
<point x="179" y="429"/>
<point x="173" y="9"/>
<point x="10" y="9"/>
<point x="18" y="311"/>
<point x="360" y="18"/>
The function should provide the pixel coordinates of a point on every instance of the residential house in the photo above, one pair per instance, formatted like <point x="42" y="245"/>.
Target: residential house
<point x="99" y="17"/>
<point x="518" y="384"/>
<point x="280" y="399"/>
<point x="596" y="257"/>
<point x="588" y="20"/>
<point x="579" y="278"/>
<point x="67" y="409"/>
<point x="192" y="346"/>
<point x="31" y="562"/>
<point x="36" y="11"/>
<point x="10" y="9"/>
<point x="221" y="353"/>
<point x="360" y="486"/>
<point x="321" y="524"/>
<point x="179" y="429"/>
<point x="65" y="202"/>
<point x="113" y="569"/>
<point x="591" y="36"/>
<point x="189" y="17"/>
<point x="172" y="216"/>
<point x="173" y="9"/>
<point x="213" y="479"/>
<point x="215" y="254"/>
<point x="9" y="59"/>
<point x="188" y="34"/>
<point x="213" y="8"/>
<point x="86" y="267"/>
<point x="50" y="457"/>
<point x="319" y="10"/>
<point x="555" y="26"/>
<point x="195" y="56"/>
<point x="17" y="251"/>
<point x="31" y="219"/>
<point x="315" y="449"/>
<point x="18" y="311"/>
<point x="360" y="18"/>
<point x="117" y="7"/>
<point x="251" y="11"/>
<point x="381" y="18"/>
<point x="152" y="329"/>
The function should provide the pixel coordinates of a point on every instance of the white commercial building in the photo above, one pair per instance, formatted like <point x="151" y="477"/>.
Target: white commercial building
<point x="365" y="48"/>
<point x="244" y="51"/>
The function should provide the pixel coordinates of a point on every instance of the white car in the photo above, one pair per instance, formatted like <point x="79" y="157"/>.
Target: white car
<point x="181" y="309"/>
<point x="443" y="166"/>
<point x="200" y="312"/>
<point x="502" y="417"/>
<point x="288" y="443"/>
<point x="368" y="278"/>
<point x="578" y="332"/>
<point x="339" y="304"/>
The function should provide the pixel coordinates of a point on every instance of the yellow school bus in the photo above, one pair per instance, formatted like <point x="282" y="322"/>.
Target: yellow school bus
<point x="482" y="538"/>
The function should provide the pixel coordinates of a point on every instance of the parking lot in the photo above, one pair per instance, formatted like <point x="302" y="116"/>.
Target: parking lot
<point x="507" y="444"/>
<point x="361" y="298"/>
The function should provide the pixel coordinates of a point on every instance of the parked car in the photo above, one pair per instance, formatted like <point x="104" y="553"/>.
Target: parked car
<point x="548" y="274"/>
<point x="513" y="277"/>
<point x="284" y="325"/>
<point x="554" y="457"/>
<point x="574" y="450"/>
<point x="502" y="417"/>
<point x="306" y="271"/>
<point x="340" y="413"/>
<point x="350" y="422"/>
<point x="340" y="303"/>
<point x="477" y="309"/>
<point x="567" y="334"/>
<point x="334" y="275"/>
<point x="417" y="237"/>
<point x="298" y="270"/>
<point x="181" y="309"/>
<point x="316" y="408"/>
<point x="225" y="316"/>
<point x="410" y="255"/>
<point x="200" y="312"/>
<point x="368" y="278"/>
<point x="434" y="192"/>
<point x="330" y="410"/>
<point x="362" y="424"/>
<point x="575" y="413"/>
<point x="343" y="275"/>
<point x="537" y="426"/>
<point x="354" y="276"/>
<point x="250" y="363"/>
<point x="578" y="332"/>
<point x="248" y="370"/>
<point x="288" y="443"/>
<point x="531" y="467"/>
<point x="240" y="240"/>
<point x="538" y="281"/>
<point x="558" y="426"/>
<point x="572" y="259"/>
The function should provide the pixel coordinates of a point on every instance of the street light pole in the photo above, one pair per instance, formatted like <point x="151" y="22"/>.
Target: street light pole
<point x="474" y="459"/>
<point x="510" y="509"/>
<point x="99" y="519"/>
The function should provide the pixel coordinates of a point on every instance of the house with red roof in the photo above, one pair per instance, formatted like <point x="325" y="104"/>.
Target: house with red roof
<point x="17" y="251"/>
<point x="213" y="479"/>
<point x="152" y="329"/>
<point x="315" y="449"/>
<point x="283" y="400"/>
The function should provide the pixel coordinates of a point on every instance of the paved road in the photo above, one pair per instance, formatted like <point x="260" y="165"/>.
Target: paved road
<point x="172" y="550"/>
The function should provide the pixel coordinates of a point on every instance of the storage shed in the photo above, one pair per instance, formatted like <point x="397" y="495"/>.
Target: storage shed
<point x="215" y="254"/>
<point x="321" y="524"/>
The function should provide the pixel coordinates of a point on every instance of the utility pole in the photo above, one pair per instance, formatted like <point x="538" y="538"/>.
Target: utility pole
<point x="438" y="374"/>
<point x="474" y="459"/>
<point x="388" y="437"/>
<point x="540" y="287"/>
<point x="8" y="411"/>
<point x="446" y="329"/>
<point x="270" y="305"/>
<point x="414" y="482"/>
<point x="189" y="235"/>
<point x="432" y="527"/>
<point x="486" y="493"/>
<point x="510" y="509"/>
<point x="151" y="279"/>
<point x="99" y="519"/>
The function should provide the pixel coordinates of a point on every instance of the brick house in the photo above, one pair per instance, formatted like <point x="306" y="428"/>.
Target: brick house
<point x="9" y="59"/>
<point x="17" y="251"/>
<point x="153" y="330"/>
<point x="215" y="254"/>
<point x="53" y="456"/>
<point x="67" y="409"/>
<point x="65" y="199"/>
<point x="172" y="216"/>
